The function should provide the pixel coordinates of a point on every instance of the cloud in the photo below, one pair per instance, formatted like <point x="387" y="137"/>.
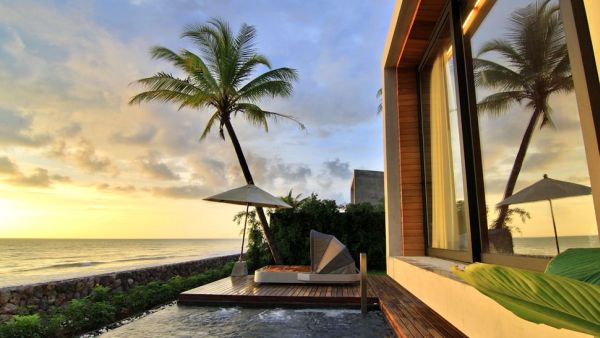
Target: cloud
<point x="86" y="157"/>
<point x="209" y="171"/>
<point x="143" y="135"/>
<point x="7" y="166"/>
<point x="290" y="172"/>
<point x="15" y="130"/>
<point x="116" y="188"/>
<point x="152" y="165"/>
<point x="338" y="168"/>
<point x="70" y="130"/>
<point x="181" y="192"/>
<point x="39" y="178"/>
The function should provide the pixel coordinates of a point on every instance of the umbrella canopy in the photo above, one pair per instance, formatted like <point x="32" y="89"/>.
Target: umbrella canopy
<point x="547" y="189"/>
<point x="249" y="195"/>
<point x="329" y="255"/>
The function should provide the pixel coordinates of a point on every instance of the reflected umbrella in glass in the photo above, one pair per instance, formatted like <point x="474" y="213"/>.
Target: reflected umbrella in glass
<point x="547" y="189"/>
<point x="248" y="195"/>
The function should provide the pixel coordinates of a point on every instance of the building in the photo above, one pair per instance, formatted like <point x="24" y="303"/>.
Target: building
<point x="459" y="126"/>
<point x="367" y="187"/>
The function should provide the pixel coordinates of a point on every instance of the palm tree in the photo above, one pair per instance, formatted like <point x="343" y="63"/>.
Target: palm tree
<point x="295" y="201"/>
<point x="221" y="79"/>
<point x="537" y="67"/>
<point x="378" y="95"/>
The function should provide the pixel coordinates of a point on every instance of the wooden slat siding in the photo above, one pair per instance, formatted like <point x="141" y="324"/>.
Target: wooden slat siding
<point x="410" y="166"/>
<point x="411" y="182"/>
<point x="406" y="314"/>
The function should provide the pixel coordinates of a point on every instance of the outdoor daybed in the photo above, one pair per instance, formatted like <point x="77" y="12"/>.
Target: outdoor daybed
<point x="330" y="262"/>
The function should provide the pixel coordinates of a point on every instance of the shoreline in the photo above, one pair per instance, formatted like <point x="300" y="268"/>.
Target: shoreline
<point x="57" y="292"/>
<point x="60" y="277"/>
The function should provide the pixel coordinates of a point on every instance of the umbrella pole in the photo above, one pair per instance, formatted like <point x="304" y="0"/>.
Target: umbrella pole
<point x="244" y="235"/>
<point x="554" y="225"/>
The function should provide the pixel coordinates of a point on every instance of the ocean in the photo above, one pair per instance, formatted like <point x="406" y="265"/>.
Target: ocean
<point x="25" y="261"/>
<point x="546" y="246"/>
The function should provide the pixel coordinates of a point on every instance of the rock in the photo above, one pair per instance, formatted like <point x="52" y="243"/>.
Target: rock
<point x="4" y="297"/>
<point x="130" y="281"/>
<point x="9" y="308"/>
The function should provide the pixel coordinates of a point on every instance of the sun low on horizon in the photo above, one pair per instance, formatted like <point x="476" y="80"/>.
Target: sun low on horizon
<point x="78" y="161"/>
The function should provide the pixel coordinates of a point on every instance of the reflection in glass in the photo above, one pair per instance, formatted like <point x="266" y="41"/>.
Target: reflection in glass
<point x="529" y="126"/>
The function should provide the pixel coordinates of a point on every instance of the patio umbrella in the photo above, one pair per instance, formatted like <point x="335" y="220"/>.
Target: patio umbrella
<point x="248" y="195"/>
<point x="547" y="189"/>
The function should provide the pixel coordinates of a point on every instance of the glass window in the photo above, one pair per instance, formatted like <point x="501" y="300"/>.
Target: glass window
<point x="529" y="129"/>
<point x="446" y="207"/>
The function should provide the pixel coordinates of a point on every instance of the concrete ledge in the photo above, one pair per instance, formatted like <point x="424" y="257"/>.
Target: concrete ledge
<point x="475" y="314"/>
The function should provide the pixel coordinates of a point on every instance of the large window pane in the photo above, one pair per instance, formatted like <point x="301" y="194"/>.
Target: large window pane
<point x="446" y="208"/>
<point x="529" y="127"/>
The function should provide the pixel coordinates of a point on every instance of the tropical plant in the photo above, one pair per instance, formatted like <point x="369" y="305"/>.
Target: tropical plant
<point x="578" y="263"/>
<point x="361" y="227"/>
<point x="545" y="298"/>
<point x="294" y="201"/>
<point x="221" y="78"/>
<point x="379" y="95"/>
<point x="537" y="66"/>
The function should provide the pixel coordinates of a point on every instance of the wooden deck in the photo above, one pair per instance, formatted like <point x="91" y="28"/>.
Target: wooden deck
<point x="406" y="314"/>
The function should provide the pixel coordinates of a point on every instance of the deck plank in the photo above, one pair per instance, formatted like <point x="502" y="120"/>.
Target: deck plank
<point x="407" y="315"/>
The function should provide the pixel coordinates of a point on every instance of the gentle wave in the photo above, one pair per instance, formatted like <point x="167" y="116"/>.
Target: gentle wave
<point x="25" y="261"/>
<point x="94" y="263"/>
<point x="63" y="265"/>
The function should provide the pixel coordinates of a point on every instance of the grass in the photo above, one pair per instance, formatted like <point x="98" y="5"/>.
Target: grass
<point x="103" y="307"/>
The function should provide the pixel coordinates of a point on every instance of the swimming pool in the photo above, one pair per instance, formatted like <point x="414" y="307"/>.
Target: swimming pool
<point x="188" y="321"/>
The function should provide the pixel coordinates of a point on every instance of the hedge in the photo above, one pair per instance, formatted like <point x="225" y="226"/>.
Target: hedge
<point x="103" y="307"/>
<point x="361" y="227"/>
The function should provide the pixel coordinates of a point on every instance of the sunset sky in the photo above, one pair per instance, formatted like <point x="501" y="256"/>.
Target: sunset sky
<point x="76" y="161"/>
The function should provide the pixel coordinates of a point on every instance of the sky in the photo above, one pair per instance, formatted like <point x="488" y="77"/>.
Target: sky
<point x="76" y="161"/>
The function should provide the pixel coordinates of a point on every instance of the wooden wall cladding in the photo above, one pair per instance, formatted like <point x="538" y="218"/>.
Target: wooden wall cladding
<point x="411" y="181"/>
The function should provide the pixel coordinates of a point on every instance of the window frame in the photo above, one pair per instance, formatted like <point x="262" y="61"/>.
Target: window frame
<point x="477" y="246"/>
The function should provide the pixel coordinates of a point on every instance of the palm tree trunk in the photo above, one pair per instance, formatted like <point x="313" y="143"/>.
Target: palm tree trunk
<point x="248" y="176"/>
<point x="516" y="169"/>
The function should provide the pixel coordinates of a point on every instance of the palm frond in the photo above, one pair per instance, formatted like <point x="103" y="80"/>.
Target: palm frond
<point x="245" y="69"/>
<point x="498" y="103"/>
<point x="163" y="53"/>
<point x="165" y="81"/>
<point x="380" y="105"/>
<point x="196" y="67"/>
<point x="214" y="118"/>
<point x="493" y="75"/>
<point x="275" y="82"/>
<point x="504" y="48"/>
<point x="257" y="111"/>
<point x="159" y="95"/>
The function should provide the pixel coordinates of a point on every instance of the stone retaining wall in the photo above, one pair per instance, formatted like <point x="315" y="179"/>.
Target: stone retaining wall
<point x="56" y="293"/>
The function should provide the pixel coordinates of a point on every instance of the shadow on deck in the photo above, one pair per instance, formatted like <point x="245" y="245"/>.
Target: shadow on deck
<point x="406" y="314"/>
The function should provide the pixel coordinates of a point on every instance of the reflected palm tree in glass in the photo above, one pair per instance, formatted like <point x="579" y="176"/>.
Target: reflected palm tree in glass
<point x="536" y="67"/>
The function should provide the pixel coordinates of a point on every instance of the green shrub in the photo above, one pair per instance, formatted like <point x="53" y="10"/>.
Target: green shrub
<point x="26" y="326"/>
<point x="103" y="307"/>
<point x="84" y="314"/>
<point x="361" y="227"/>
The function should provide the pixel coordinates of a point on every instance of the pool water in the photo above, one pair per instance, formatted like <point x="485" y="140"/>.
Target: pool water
<point x="186" y="321"/>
